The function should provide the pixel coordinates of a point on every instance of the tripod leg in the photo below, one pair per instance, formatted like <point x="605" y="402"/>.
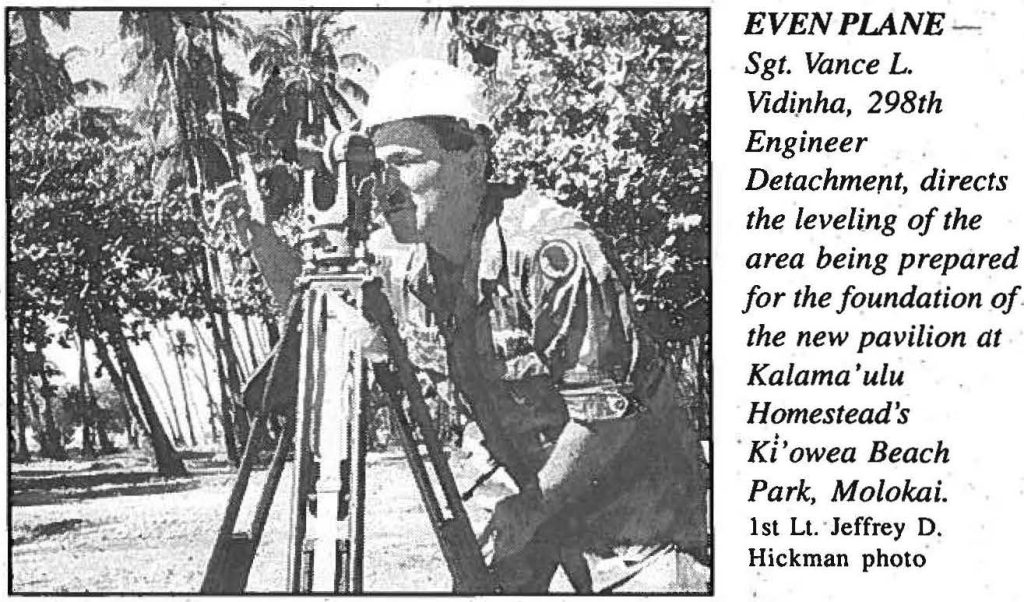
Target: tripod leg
<point x="232" y="555"/>
<point x="338" y="392"/>
<point x="327" y="545"/>
<point x="357" y="482"/>
<point x="259" y="519"/>
<point x="302" y="475"/>
<point x="455" y="534"/>
<point x="389" y="382"/>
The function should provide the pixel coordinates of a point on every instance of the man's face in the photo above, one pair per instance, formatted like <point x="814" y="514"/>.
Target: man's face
<point x="428" y="192"/>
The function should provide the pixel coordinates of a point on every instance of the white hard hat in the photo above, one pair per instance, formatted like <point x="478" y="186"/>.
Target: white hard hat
<point x="424" y="88"/>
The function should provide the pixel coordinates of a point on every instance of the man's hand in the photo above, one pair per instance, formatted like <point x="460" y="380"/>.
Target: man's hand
<point x="579" y="455"/>
<point x="511" y="527"/>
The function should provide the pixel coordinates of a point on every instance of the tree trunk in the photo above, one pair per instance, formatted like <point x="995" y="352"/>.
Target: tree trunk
<point x="85" y="398"/>
<point x="134" y="430"/>
<point x="238" y="348"/>
<point x="168" y="460"/>
<point x="205" y="378"/>
<point x="210" y="285"/>
<point x="215" y="274"/>
<point x="131" y="432"/>
<point x="161" y="407"/>
<point x="35" y="414"/>
<point x="207" y="275"/>
<point x="135" y="425"/>
<point x="172" y="408"/>
<point x="240" y="421"/>
<point x="218" y="61"/>
<point x="88" y="450"/>
<point x="159" y="404"/>
<point x="129" y="413"/>
<point x="253" y="356"/>
<point x="229" y="368"/>
<point x="227" y="406"/>
<point x="227" y="413"/>
<point x="21" y="452"/>
<point x="178" y="360"/>
<point x="224" y="340"/>
<point x="91" y="415"/>
<point x="53" y="443"/>
<point x="106" y="445"/>
<point x="227" y="363"/>
<point x="122" y="388"/>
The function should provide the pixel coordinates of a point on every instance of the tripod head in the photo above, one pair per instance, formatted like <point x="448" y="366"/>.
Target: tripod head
<point x="337" y="228"/>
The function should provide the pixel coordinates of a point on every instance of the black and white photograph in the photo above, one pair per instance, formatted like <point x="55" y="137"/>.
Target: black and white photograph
<point x="324" y="301"/>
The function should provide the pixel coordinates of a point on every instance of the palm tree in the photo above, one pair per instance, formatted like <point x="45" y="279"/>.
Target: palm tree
<point x="436" y="18"/>
<point x="466" y="30"/>
<point x="305" y="78"/>
<point x="84" y="86"/>
<point x="172" y="59"/>
<point x="171" y="54"/>
<point x="218" y="23"/>
<point x="38" y="82"/>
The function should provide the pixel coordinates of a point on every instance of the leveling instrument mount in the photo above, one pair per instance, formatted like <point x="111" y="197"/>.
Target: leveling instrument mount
<point x="319" y="411"/>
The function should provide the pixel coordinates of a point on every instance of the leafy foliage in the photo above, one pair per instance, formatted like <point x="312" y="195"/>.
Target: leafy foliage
<point x="72" y="413"/>
<point x="171" y="62"/>
<point x="306" y="78"/>
<point x="87" y="236"/>
<point x="38" y="81"/>
<point x="609" y="111"/>
<point x="173" y="47"/>
<point x="93" y="246"/>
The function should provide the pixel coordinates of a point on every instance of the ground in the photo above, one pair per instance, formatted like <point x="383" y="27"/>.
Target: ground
<point x="113" y="526"/>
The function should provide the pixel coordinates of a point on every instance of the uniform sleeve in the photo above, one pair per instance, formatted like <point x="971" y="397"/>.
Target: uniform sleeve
<point x="580" y="325"/>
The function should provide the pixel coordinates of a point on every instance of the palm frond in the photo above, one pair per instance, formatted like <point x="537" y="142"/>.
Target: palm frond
<point x="60" y="18"/>
<point x="282" y="41"/>
<point x="353" y="90"/>
<point x="300" y="60"/>
<point x="258" y="61"/>
<point x="343" y="34"/>
<point x="336" y="98"/>
<point x="358" y="62"/>
<point x="70" y="52"/>
<point x="427" y="17"/>
<point x="234" y="29"/>
<point x="88" y="85"/>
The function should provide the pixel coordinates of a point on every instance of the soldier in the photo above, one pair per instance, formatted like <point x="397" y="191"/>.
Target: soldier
<point x="572" y="400"/>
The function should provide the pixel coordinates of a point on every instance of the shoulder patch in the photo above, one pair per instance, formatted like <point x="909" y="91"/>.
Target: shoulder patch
<point x="557" y="259"/>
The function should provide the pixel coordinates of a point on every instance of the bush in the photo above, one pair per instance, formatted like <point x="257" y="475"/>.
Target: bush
<point x="609" y="111"/>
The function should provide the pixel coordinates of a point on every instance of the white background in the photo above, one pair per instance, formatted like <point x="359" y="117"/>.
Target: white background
<point x="970" y="398"/>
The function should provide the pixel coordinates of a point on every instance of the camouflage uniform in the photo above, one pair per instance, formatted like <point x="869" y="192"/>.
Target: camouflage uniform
<point x="537" y="327"/>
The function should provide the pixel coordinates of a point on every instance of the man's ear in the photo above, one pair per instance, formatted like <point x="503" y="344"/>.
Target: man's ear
<point x="480" y="153"/>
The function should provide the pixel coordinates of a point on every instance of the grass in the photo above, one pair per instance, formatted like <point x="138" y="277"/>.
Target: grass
<point x="114" y="526"/>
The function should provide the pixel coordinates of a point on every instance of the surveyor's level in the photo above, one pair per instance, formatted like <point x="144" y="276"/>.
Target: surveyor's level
<point x="327" y="430"/>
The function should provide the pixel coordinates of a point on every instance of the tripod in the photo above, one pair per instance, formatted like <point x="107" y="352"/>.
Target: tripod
<point x="327" y="431"/>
